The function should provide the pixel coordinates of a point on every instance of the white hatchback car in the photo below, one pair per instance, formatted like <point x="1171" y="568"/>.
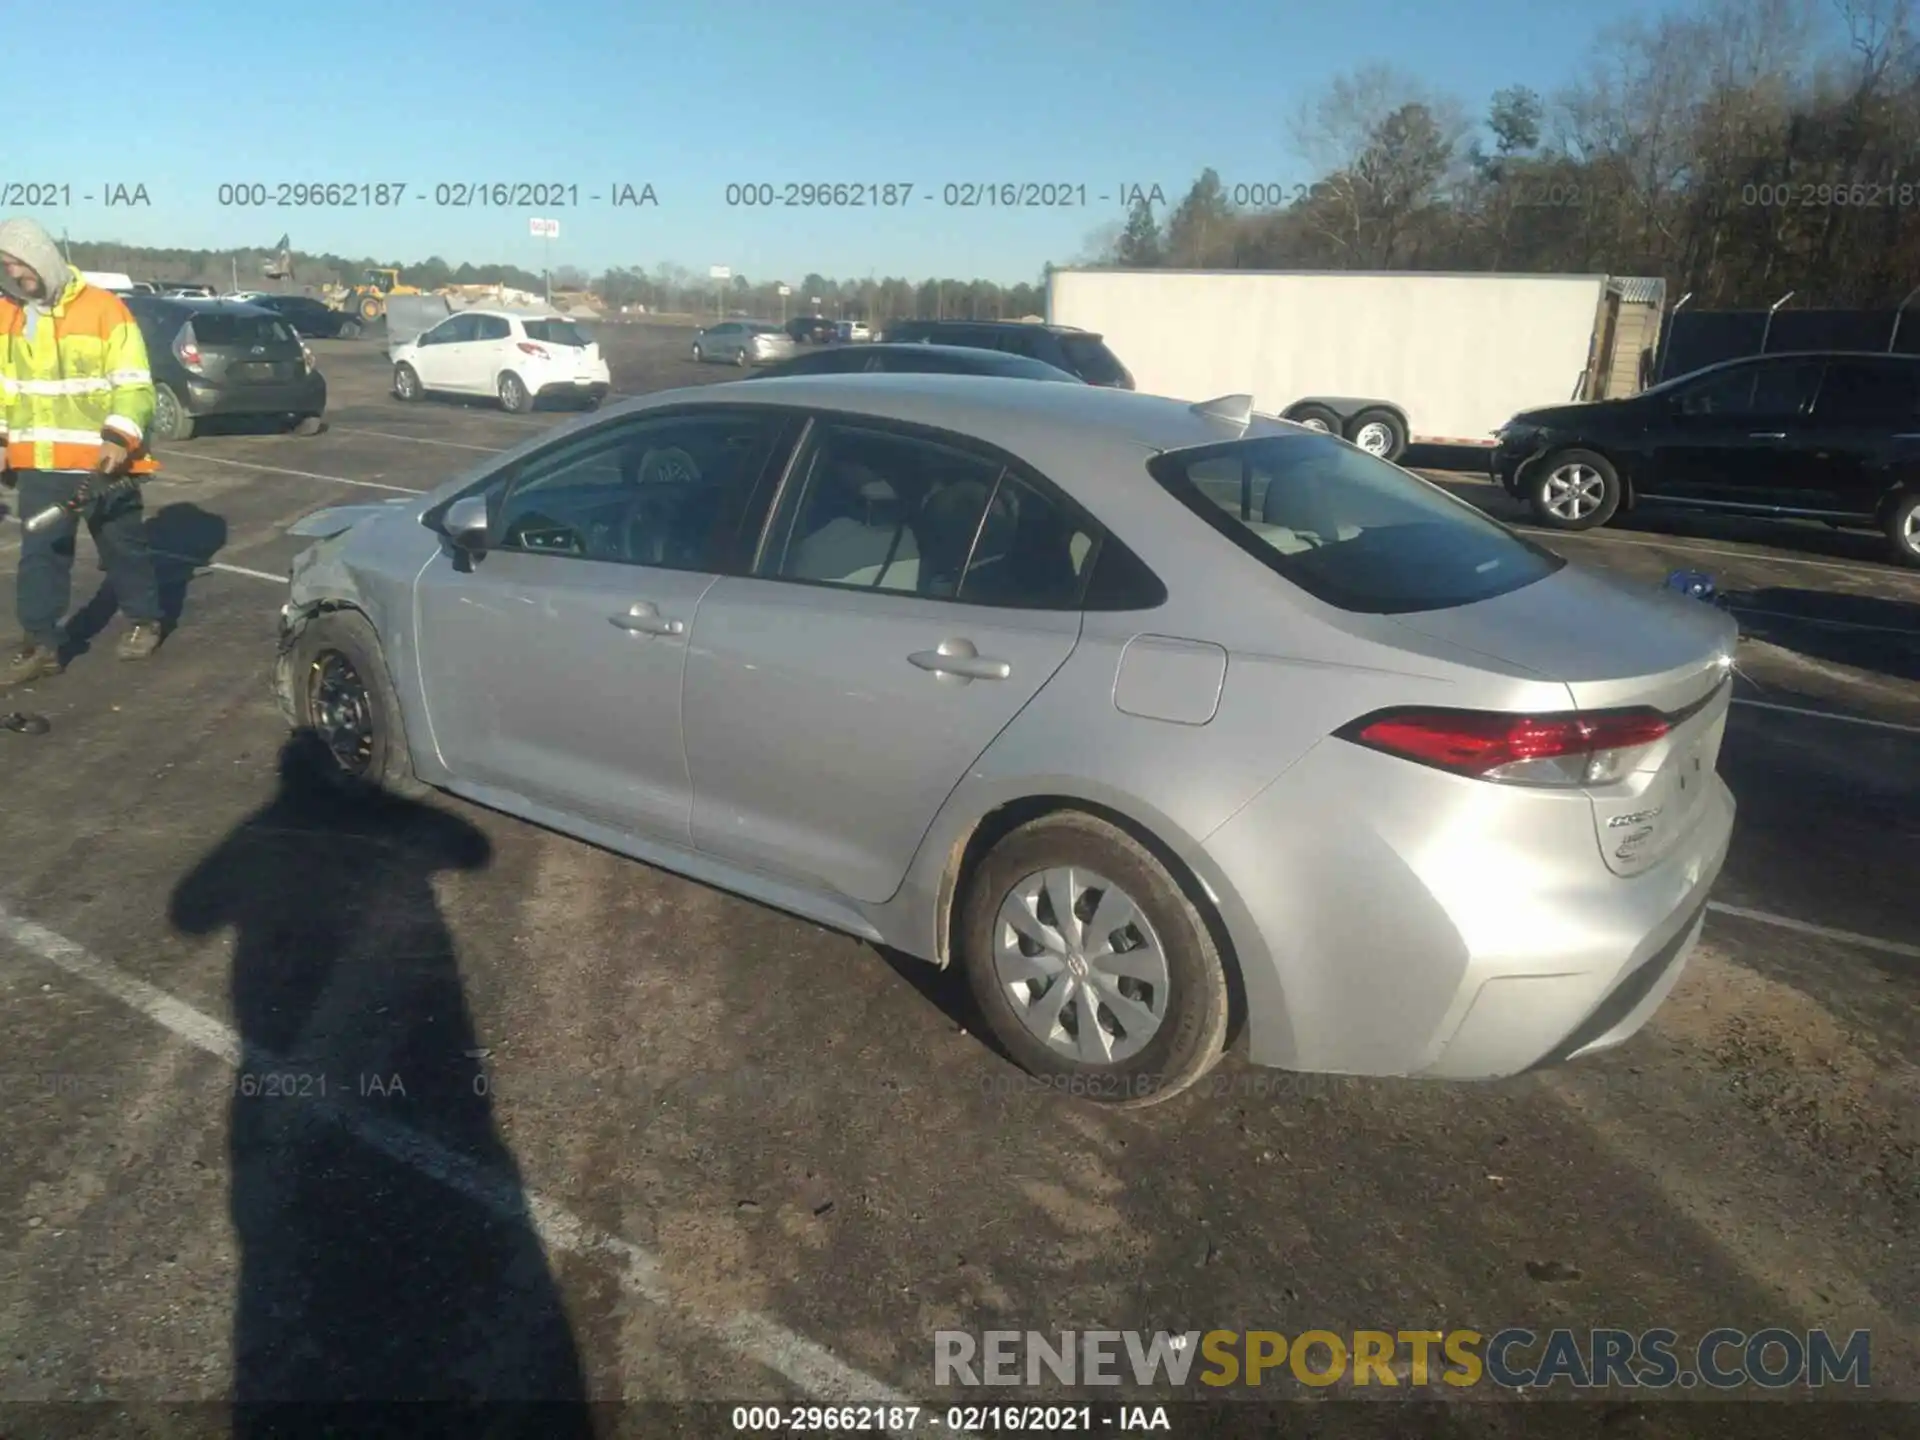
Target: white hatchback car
<point x="518" y="358"/>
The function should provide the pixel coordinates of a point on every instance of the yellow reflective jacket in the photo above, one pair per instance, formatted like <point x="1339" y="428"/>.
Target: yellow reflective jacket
<point x="80" y="377"/>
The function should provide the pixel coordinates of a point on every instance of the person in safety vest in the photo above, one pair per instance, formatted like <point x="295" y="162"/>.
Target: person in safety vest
<point x="76" y="398"/>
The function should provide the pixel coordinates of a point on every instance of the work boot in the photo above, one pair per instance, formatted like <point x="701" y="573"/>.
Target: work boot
<point x="140" y="641"/>
<point x="29" y="662"/>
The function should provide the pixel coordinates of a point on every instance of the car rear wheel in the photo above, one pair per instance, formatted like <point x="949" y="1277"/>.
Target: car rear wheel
<point x="345" y="702"/>
<point x="308" y="425"/>
<point x="741" y="358"/>
<point x="1903" y="528"/>
<point x="406" y="383"/>
<point x="1378" y="432"/>
<point x="1091" y="967"/>
<point x="1317" y="417"/>
<point x="697" y="356"/>
<point x="349" y="330"/>
<point x="170" y="418"/>
<point x="1574" y="490"/>
<point x="514" y="398"/>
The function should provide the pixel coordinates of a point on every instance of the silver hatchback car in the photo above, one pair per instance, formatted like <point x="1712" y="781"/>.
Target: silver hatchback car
<point x="1157" y="719"/>
<point x="743" y="342"/>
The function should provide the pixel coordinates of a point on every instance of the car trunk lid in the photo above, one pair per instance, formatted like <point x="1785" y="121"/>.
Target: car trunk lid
<point x="1615" y="646"/>
<point x="244" y="349"/>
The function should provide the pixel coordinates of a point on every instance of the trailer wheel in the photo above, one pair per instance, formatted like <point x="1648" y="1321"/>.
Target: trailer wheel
<point x="1378" y="432"/>
<point x="1573" y="490"/>
<point x="1316" y="417"/>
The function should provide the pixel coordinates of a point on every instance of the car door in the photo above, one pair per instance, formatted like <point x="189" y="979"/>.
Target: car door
<point x="1727" y="438"/>
<point x="436" y="359"/>
<point x="487" y="354"/>
<point x="552" y="663"/>
<point x="1866" y="402"/>
<point x="896" y="620"/>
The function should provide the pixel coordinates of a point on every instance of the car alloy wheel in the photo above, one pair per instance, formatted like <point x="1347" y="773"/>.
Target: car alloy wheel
<point x="166" y="411"/>
<point x="405" y="384"/>
<point x="1081" y="966"/>
<point x="1574" y="491"/>
<point x="342" y="711"/>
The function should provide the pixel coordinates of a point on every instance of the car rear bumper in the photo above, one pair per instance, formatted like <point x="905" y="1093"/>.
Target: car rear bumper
<point x="300" y="397"/>
<point x="1389" y="920"/>
<point x="579" y="389"/>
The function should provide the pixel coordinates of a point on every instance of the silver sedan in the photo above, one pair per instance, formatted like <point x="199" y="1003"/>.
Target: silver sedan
<point x="1155" y="719"/>
<point x="743" y="342"/>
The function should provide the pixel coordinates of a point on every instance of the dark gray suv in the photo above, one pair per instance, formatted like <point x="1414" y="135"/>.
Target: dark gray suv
<point x="1078" y="352"/>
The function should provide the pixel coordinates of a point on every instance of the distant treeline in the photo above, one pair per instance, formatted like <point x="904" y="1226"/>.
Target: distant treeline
<point x="1739" y="149"/>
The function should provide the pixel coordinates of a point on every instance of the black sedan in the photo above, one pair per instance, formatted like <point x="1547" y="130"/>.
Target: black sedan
<point x="811" y="330"/>
<point x="310" y="318"/>
<point x="919" y="360"/>
<point x="1828" y="436"/>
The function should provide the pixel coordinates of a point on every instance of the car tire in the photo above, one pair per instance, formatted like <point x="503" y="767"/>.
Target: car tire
<point x="1192" y="1005"/>
<point x="1316" y="417"/>
<point x="170" y="418"/>
<point x="697" y="356"/>
<point x="1902" y="527"/>
<point x="308" y="425"/>
<point x="741" y="359"/>
<point x="515" y="398"/>
<point x="338" y="657"/>
<point x="406" y="384"/>
<point x="1378" y="432"/>
<point x="349" y="330"/>
<point x="1573" y="490"/>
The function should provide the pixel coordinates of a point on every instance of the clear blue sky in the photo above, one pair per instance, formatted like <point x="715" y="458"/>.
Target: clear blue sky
<point x="688" y="99"/>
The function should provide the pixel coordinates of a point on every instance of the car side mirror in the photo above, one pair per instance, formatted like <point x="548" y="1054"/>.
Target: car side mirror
<point x="465" y="524"/>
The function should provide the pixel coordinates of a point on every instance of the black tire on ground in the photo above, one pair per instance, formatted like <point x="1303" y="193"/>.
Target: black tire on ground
<point x="1396" y="431"/>
<point x="308" y="425"/>
<point x="515" y="398"/>
<point x="347" y="635"/>
<point x="349" y="330"/>
<point x="406" y="383"/>
<point x="1555" y="480"/>
<point x="1192" y="1035"/>
<point x="1902" y="528"/>
<point x="1316" y="416"/>
<point x="170" y="418"/>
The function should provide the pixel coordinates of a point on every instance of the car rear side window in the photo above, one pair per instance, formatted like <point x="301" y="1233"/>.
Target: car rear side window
<point x="1349" y="529"/>
<point x="1090" y="359"/>
<point x="557" y="332"/>
<point x="215" y="328"/>
<point x="1869" y="391"/>
<point x="491" y="327"/>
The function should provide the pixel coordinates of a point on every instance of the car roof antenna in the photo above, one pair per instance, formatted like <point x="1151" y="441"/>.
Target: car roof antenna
<point x="1235" y="409"/>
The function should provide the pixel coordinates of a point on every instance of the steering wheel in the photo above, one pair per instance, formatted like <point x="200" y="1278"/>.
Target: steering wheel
<point x="534" y="531"/>
<point x="668" y="464"/>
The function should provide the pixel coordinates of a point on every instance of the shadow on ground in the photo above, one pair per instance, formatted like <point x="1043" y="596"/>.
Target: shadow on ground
<point x="1867" y="632"/>
<point x="184" y="539"/>
<point x="386" y="1250"/>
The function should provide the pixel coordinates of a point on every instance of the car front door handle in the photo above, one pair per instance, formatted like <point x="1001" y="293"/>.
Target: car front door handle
<point x="1768" y="435"/>
<point x="959" y="658"/>
<point x="643" y="619"/>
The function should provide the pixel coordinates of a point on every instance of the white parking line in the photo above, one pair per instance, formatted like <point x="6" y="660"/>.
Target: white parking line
<point x="223" y="565"/>
<point x="1824" y="932"/>
<point x="755" y="1337"/>
<point x="1677" y="543"/>
<point x="1827" y="715"/>
<point x="197" y="458"/>
<point x="416" y="439"/>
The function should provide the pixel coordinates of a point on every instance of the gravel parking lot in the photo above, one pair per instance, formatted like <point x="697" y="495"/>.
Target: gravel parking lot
<point x="591" y="1129"/>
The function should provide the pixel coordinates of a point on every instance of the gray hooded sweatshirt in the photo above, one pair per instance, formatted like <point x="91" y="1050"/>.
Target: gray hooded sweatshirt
<point x="27" y="241"/>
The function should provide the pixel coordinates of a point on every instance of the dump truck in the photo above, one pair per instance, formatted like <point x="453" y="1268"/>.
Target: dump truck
<point x="1385" y="359"/>
<point x="367" y="301"/>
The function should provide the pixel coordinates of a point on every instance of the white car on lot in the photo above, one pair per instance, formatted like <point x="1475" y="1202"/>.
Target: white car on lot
<point x="518" y="358"/>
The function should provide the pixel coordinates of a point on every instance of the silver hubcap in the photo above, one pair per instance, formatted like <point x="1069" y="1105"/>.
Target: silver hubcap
<point x="510" y="392"/>
<point x="1374" y="438"/>
<point x="165" y="411"/>
<point x="1081" y="966"/>
<point x="1316" y="424"/>
<point x="1574" y="492"/>
<point x="406" y="383"/>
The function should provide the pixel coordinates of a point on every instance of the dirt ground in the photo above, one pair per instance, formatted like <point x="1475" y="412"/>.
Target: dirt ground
<point x="301" y="1106"/>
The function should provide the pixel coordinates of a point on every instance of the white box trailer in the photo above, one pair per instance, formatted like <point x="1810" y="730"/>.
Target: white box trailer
<point x="1385" y="359"/>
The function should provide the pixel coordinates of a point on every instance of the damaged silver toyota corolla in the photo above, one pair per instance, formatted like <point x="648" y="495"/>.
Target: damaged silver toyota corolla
<point x="1155" y="718"/>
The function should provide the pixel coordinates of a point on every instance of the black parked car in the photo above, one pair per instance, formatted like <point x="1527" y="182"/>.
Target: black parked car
<point x="811" y="330"/>
<point x="915" y="359"/>
<point x="1078" y="352"/>
<point x="310" y="318"/>
<point x="219" y="357"/>
<point x="1831" y="436"/>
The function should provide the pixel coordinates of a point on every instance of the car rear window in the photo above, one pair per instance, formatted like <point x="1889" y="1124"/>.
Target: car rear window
<point x="1092" y="360"/>
<point x="1349" y="529"/>
<point x="217" y="329"/>
<point x="557" y="332"/>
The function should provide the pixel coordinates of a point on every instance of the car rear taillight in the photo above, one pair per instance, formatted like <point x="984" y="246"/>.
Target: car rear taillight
<point x="186" y="351"/>
<point x="527" y="347"/>
<point x="306" y="358"/>
<point x="1564" y="750"/>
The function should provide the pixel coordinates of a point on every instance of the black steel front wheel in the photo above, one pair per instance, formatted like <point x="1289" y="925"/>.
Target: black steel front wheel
<point x="347" y="709"/>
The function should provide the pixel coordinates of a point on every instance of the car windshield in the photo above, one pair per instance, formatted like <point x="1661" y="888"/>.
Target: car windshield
<point x="1350" y="529"/>
<point x="238" y="329"/>
<point x="557" y="332"/>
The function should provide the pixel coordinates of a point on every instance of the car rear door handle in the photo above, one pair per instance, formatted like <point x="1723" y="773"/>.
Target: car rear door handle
<point x="1768" y="435"/>
<point x="643" y="619"/>
<point x="960" y="658"/>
